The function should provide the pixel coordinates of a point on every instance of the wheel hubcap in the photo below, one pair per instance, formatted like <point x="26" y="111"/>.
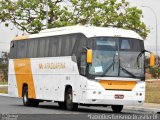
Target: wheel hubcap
<point x="69" y="99"/>
<point x="25" y="98"/>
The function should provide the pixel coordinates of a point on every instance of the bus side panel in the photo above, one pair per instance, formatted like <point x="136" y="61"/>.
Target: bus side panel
<point x="79" y="88"/>
<point x="12" y="84"/>
<point x="49" y="81"/>
<point x="23" y="76"/>
<point x="52" y="75"/>
<point x="76" y="82"/>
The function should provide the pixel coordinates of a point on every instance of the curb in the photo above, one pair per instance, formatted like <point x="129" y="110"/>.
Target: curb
<point x="3" y="86"/>
<point x="144" y="109"/>
<point x="3" y="94"/>
<point x="152" y="80"/>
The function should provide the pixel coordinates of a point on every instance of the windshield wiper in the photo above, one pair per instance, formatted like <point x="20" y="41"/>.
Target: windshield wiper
<point x="120" y="67"/>
<point x="112" y="64"/>
<point x="126" y="71"/>
<point x="108" y="69"/>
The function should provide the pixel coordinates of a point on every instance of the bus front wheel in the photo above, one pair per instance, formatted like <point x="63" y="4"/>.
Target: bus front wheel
<point x="69" y="100"/>
<point x="62" y="105"/>
<point x="117" y="108"/>
<point x="26" y="100"/>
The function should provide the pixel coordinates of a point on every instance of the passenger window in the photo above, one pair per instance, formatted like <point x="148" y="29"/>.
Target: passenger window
<point x="11" y="55"/>
<point x="21" y="49"/>
<point x="32" y="46"/>
<point x="41" y="47"/>
<point x="53" y="46"/>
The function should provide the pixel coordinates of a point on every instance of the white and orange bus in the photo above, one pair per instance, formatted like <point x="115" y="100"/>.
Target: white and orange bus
<point x="78" y="65"/>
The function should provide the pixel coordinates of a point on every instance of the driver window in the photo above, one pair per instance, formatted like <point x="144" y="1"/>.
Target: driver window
<point x="83" y="64"/>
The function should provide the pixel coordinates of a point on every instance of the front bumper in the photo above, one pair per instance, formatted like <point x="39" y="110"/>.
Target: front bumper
<point x="107" y="97"/>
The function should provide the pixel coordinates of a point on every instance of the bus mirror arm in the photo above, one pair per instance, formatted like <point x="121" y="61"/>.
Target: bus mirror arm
<point x="85" y="48"/>
<point x="139" y="55"/>
<point x="152" y="58"/>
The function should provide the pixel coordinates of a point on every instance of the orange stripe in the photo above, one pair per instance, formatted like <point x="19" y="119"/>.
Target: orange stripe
<point x="23" y="74"/>
<point x="20" y="38"/>
<point x="117" y="85"/>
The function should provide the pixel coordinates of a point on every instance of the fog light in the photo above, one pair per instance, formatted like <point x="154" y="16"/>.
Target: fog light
<point x="94" y="92"/>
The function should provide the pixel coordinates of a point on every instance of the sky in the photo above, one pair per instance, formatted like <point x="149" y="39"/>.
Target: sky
<point x="150" y="21"/>
<point x="8" y="33"/>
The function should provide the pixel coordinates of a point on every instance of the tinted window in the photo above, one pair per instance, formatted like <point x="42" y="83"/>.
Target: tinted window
<point x="11" y="55"/>
<point x="68" y="44"/>
<point x="54" y="46"/>
<point x="129" y="44"/>
<point x="46" y="50"/>
<point x="32" y="46"/>
<point x="21" y="49"/>
<point x="15" y="50"/>
<point x="125" y="45"/>
<point x="103" y="43"/>
<point x="79" y="45"/>
<point x="41" y="47"/>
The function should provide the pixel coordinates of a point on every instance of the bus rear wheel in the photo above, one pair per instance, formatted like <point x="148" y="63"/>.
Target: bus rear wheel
<point x="69" y="100"/>
<point x="26" y="100"/>
<point x="117" y="108"/>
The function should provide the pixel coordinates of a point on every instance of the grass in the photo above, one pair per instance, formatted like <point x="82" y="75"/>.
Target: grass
<point x="4" y="90"/>
<point x="149" y="76"/>
<point x="153" y="92"/>
<point x="3" y="83"/>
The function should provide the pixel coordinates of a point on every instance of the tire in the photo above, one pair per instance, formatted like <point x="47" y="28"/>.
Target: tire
<point x="62" y="105"/>
<point x="69" y="100"/>
<point x="117" y="108"/>
<point x="34" y="103"/>
<point x="26" y="100"/>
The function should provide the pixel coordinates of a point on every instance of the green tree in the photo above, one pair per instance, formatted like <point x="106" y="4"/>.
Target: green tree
<point x="30" y="15"/>
<point x="4" y="66"/>
<point x="155" y="71"/>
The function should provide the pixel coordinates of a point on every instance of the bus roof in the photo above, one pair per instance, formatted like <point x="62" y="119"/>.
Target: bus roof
<point x="88" y="31"/>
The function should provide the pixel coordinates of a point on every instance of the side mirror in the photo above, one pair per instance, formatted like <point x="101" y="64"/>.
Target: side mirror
<point x="152" y="60"/>
<point x="89" y="56"/>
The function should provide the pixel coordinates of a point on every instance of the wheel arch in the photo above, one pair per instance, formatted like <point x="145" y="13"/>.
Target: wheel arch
<point x="24" y="85"/>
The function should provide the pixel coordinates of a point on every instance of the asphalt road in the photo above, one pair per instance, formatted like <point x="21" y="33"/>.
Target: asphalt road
<point x="10" y="105"/>
<point x="15" y="106"/>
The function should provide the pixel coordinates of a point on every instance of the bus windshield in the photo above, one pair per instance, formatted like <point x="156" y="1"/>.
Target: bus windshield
<point x="116" y="57"/>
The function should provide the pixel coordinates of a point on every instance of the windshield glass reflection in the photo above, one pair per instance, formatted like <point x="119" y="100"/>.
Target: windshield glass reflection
<point x="116" y="57"/>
